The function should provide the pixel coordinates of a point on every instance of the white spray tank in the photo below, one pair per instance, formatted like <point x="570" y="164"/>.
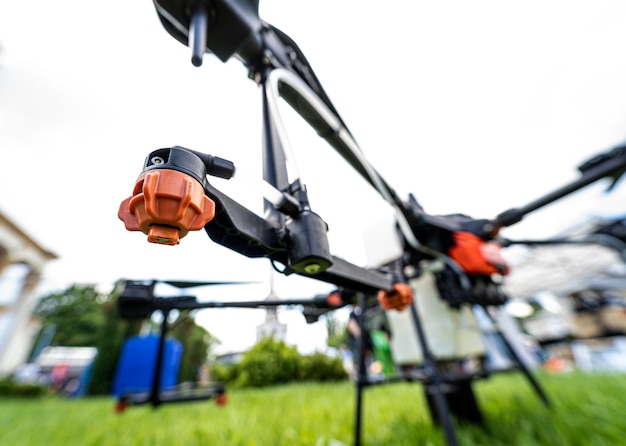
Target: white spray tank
<point x="450" y="333"/>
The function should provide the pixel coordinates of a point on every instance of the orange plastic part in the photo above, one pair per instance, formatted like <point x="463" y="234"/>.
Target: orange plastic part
<point x="166" y="205"/>
<point x="477" y="256"/>
<point x="399" y="298"/>
<point x="334" y="299"/>
<point x="221" y="399"/>
<point x="120" y="406"/>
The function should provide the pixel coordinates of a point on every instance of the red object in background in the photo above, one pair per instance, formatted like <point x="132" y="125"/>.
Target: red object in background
<point x="221" y="399"/>
<point x="58" y="376"/>
<point x="121" y="406"/>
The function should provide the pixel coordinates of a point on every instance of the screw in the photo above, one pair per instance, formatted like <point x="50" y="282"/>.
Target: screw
<point x="156" y="160"/>
<point x="489" y="228"/>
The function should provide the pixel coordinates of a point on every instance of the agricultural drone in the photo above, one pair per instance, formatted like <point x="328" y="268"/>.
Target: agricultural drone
<point x="444" y="266"/>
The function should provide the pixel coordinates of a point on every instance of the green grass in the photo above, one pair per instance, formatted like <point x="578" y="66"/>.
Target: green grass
<point x="587" y="409"/>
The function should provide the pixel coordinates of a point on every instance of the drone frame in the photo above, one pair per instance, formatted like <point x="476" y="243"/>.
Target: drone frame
<point x="291" y="234"/>
<point x="137" y="300"/>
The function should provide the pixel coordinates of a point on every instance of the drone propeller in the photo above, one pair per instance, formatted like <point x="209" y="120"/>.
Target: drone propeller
<point x="191" y="283"/>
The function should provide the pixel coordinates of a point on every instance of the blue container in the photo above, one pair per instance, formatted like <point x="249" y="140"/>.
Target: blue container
<point x="137" y="362"/>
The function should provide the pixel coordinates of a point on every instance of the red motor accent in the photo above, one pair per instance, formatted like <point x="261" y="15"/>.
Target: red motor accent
<point x="477" y="256"/>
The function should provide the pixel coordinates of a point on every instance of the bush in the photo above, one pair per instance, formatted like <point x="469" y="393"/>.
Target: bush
<point x="268" y="363"/>
<point x="272" y="362"/>
<point x="224" y="373"/>
<point x="8" y="387"/>
<point x="319" y="367"/>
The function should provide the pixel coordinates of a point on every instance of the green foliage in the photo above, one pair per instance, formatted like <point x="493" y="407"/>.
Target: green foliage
<point x="112" y="335"/>
<point x="339" y="339"/>
<point x="337" y="331"/>
<point x="83" y="317"/>
<point x="587" y="409"/>
<point x="224" y="373"/>
<point x="272" y="362"/>
<point x="268" y="363"/>
<point x="319" y="367"/>
<point x="76" y="315"/>
<point x="10" y="388"/>
<point x="197" y="342"/>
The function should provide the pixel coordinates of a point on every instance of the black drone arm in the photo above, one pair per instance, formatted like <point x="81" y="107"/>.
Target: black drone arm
<point x="611" y="164"/>
<point x="233" y="28"/>
<point x="429" y="228"/>
<point x="229" y="27"/>
<point x="237" y="228"/>
<point x="137" y="300"/>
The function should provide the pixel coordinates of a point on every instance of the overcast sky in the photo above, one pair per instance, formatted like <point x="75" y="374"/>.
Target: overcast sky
<point x="475" y="107"/>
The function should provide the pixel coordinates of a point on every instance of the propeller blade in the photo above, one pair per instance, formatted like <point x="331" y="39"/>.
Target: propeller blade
<point x="193" y="283"/>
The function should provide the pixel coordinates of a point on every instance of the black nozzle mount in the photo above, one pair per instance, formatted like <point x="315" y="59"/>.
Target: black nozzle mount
<point x="197" y="165"/>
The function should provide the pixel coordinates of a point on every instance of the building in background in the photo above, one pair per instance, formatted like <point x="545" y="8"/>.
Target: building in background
<point x="575" y="294"/>
<point x="22" y="261"/>
<point x="271" y="326"/>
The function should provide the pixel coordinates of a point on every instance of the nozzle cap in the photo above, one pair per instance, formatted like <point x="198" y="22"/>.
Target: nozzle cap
<point x="163" y="235"/>
<point x="165" y="205"/>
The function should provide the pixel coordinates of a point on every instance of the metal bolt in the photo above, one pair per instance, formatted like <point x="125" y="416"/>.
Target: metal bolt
<point x="156" y="160"/>
<point x="488" y="228"/>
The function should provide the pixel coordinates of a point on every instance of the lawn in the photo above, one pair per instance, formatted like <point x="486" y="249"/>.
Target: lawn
<point x="587" y="409"/>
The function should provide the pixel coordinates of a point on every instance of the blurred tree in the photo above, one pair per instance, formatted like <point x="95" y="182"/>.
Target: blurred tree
<point x="269" y="362"/>
<point x="336" y="329"/>
<point x="75" y="314"/>
<point x="197" y="343"/>
<point x="113" y="333"/>
<point x="84" y="317"/>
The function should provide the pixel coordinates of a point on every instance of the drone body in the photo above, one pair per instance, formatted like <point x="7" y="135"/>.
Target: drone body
<point x="444" y="265"/>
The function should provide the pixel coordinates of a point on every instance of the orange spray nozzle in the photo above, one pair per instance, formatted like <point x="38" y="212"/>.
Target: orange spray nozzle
<point x="165" y="205"/>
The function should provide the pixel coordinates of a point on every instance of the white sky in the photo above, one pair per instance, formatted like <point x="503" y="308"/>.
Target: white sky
<point x="475" y="107"/>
